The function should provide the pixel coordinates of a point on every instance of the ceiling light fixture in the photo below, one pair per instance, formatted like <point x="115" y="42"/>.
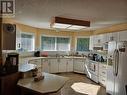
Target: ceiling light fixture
<point x="66" y="23"/>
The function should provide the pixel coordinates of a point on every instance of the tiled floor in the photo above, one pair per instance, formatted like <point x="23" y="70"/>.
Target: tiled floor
<point x="78" y="78"/>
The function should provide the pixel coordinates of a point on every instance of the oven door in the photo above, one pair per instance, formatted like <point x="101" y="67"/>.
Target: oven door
<point x="93" y="69"/>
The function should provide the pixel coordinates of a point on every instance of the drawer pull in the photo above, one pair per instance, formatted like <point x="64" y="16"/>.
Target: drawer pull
<point x="104" y="67"/>
<point x="103" y="72"/>
<point x="103" y="80"/>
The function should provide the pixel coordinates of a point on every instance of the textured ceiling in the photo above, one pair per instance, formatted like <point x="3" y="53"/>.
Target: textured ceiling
<point x="101" y="13"/>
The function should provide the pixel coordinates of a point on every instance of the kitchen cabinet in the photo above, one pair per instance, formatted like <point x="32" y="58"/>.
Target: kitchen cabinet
<point x="62" y="64"/>
<point x="100" y="39"/>
<point x="123" y="35"/>
<point x="91" y="44"/>
<point x="45" y="65"/>
<point x="113" y="36"/>
<point x="54" y="65"/>
<point x="18" y="38"/>
<point x="69" y="66"/>
<point x="97" y="41"/>
<point x="8" y="36"/>
<point x="37" y="62"/>
<point x="8" y="84"/>
<point x="79" y="65"/>
<point x="102" y="73"/>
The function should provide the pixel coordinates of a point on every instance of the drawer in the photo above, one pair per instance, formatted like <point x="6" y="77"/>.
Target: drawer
<point x="79" y="60"/>
<point x="103" y="72"/>
<point x="37" y="62"/>
<point x="102" y="80"/>
<point x="94" y="78"/>
<point x="102" y="66"/>
<point x="45" y="60"/>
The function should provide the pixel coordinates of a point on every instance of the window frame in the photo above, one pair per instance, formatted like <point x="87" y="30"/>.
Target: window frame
<point x="33" y="34"/>
<point x="56" y="41"/>
<point x="76" y="42"/>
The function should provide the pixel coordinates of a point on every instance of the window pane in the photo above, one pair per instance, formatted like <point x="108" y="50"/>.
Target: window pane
<point x="82" y="44"/>
<point x="63" y="44"/>
<point x="27" y="42"/>
<point x="47" y="43"/>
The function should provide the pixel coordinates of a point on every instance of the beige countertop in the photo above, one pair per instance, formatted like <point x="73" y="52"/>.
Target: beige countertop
<point x="26" y="67"/>
<point x="50" y="83"/>
<point x="65" y="57"/>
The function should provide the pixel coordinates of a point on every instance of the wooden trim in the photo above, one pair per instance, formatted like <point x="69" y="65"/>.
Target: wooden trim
<point x="70" y="21"/>
<point x="0" y="40"/>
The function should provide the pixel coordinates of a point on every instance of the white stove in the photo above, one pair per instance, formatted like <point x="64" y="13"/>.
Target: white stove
<point x="93" y="70"/>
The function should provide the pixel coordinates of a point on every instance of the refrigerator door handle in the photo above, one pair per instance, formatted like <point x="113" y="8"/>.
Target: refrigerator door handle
<point x="114" y="62"/>
<point x="117" y="62"/>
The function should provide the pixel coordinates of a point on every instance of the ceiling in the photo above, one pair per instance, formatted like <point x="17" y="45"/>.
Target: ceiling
<point x="101" y="13"/>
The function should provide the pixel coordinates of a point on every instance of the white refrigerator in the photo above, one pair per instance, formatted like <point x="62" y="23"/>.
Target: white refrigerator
<point x="117" y="68"/>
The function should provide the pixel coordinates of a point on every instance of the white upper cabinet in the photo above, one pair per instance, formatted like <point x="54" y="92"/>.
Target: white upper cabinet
<point x="91" y="44"/>
<point x="18" y="38"/>
<point x="97" y="40"/>
<point x="123" y="35"/>
<point x="113" y="36"/>
<point x="101" y="39"/>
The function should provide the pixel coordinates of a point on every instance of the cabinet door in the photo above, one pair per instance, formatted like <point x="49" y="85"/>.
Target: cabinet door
<point x="79" y="65"/>
<point x="91" y="43"/>
<point x="62" y="65"/>
<point x="104" y="38"/>
<point x="95" y="40"/>
<point x="54" y="66"/>
<point x="45" y="65"/>
<point x="123" y="35"/>
<point x="113" y="36"/>
<point x="99" y="39"/>
<point x="18" y="38"/>
<point x="70" y="65"/>
<point x="37" y="62"/>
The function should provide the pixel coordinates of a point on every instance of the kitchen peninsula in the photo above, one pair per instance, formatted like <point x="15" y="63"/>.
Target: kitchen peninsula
<point x="50" y="84"/>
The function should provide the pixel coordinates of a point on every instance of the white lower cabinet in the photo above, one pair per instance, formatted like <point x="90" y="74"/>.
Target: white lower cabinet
<point x="102" y="73"/>
<point x="45" y="65"/>
<point x="62" y="65"/>
<point x="54" y="65"/>
<point x="58" y="65"/>
<point x="69" y="65"/>
<point x="79" y="65"/>
<point x="37" y="62"/>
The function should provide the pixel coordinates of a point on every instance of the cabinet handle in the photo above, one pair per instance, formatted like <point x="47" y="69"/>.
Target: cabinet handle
<point x="104" y="67"/>
<point x="103" y="80"/>
<point x="103" y="72"/>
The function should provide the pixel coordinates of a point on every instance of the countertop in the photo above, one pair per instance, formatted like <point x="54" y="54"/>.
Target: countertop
<point x="26" y="67"/>
<point x="65" y="57"/>
<point x="50" y="83"/>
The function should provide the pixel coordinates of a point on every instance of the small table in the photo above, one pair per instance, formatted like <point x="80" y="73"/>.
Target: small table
<point x="50" y="84"/>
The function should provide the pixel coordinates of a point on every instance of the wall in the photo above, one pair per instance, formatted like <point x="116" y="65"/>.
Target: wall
<point x="38" y="32"/>
<point x="113" y="28"/>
